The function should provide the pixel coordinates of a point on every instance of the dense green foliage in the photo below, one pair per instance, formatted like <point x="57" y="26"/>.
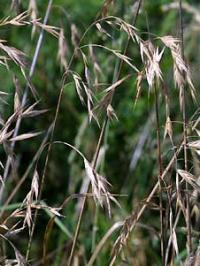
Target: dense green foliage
<point x="135" y="123"/>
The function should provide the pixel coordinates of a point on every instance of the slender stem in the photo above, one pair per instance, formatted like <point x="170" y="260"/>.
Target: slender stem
<point x="25" y="95"/>
<point x="27" y="172"/>
<point x="188" y="221"/>
<point x="84" y="199"/>
<point x="162" y="237"/>
<point x="149" y="198"/>
<point x="99" y="145"/>
<point x="170" y="238"/>
<point x="155" y="188"/>
<point x="50" y="144"/>
<point x="30" y="74"/>
<point x="45" y="167"/>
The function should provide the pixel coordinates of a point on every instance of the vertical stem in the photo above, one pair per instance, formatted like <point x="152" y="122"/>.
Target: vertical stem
<point x="99" y="144"/>
<point x="84" y="199"/>
<point x="162" y="237"/>
<point x="25" y="95"/>
<point x="188" y="221"/>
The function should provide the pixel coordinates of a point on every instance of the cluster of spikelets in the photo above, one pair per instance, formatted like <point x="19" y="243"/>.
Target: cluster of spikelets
<point x="151" y="56"/>
<point x="9" y="134"/>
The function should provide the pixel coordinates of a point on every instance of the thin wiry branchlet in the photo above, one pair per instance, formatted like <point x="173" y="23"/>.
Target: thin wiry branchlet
<point x="122" y="239"/>
<point x="99" y="183"/>
<point x="53" y="30"/>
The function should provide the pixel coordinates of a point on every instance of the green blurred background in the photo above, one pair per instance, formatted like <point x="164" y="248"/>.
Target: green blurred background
<point x="65" y="170"/>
